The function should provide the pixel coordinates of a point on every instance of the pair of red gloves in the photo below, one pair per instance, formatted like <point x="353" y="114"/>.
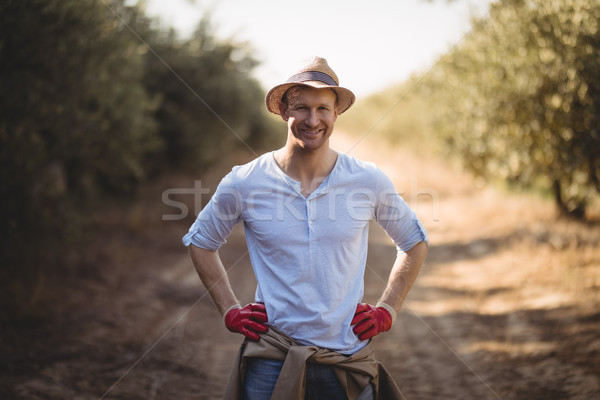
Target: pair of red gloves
<point x="250" y="320"/>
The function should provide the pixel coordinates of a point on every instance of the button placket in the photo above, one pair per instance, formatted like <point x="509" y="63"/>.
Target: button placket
<point x="310" y="216"/>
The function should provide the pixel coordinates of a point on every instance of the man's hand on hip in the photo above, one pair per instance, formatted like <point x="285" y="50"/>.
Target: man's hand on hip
<point x="247" y="320"/>
<point x="370" y="321"/>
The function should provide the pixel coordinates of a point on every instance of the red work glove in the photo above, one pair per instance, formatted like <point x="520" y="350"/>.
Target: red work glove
<point x="370" y="321"/>
<point x="247" y="320"/>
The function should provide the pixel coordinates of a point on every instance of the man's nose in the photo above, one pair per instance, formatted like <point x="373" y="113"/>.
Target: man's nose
<point x="313" y="119"/>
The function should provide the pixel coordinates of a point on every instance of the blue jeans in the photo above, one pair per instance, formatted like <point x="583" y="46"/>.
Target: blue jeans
<point x="321" y="382"/>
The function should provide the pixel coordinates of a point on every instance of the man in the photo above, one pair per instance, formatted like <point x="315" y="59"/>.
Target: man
<point x="306" y="210"/>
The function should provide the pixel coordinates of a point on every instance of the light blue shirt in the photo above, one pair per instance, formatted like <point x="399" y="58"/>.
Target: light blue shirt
<point x="308" y="254"/>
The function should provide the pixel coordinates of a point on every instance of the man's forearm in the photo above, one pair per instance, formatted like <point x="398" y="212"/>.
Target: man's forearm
<point x="214" y="277"/>
<point x="404" y="273"/>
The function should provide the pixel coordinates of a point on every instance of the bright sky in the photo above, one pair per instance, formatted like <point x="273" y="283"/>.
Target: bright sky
<point x="369" y="44"/>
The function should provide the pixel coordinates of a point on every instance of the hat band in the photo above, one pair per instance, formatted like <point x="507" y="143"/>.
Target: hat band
<point x="312" y="76"/>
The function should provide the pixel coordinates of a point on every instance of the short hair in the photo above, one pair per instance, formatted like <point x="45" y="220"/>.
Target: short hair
<point x="294" y="89"/>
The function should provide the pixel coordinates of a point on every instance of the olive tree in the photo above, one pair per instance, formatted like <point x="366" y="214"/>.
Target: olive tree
<point x="520" y="98"/>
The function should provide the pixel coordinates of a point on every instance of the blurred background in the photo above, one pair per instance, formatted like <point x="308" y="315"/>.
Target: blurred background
<point x="107" y="104"/>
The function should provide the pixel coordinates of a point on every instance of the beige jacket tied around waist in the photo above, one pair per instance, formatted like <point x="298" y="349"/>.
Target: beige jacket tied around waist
<point x="354" y="371"/>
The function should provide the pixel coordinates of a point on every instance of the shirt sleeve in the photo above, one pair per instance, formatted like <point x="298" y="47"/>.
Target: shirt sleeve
<point x="395" y="216"/>
<point x="215" y="222"/>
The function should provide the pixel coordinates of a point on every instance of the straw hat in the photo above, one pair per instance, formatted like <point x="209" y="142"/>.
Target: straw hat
<point x="315" y="72"/>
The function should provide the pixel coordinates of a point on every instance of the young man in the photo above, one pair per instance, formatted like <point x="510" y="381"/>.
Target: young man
<point x="306" y="210"/>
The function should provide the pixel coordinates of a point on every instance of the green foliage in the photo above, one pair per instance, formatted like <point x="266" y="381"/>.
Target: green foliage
<point x="75" y="118"/>
<point x="208" y="103"/>
<point x="520" y="97"/>
<point x="517" y="100"/>
<point x="398" y="115"/>
<point x="96" y="99"/>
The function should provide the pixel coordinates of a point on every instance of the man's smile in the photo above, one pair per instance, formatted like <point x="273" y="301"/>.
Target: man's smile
<point x="312" y="132"/>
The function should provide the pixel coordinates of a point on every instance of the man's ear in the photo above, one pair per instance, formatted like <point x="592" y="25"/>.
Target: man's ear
<point x="283" y="110"/>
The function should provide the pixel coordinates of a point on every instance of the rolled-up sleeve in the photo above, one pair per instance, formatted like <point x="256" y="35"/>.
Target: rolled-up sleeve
<point x="395" y="216"/>
<point x="215" y="222"/>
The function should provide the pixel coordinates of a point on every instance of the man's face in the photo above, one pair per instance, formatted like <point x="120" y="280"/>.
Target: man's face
<point x="310" y="114"/>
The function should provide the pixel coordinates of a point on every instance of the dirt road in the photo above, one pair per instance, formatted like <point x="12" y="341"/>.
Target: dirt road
<point x="506" y="306"/>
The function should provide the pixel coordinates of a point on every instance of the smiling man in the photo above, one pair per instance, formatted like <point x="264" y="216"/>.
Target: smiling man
<point x="306" y="210"/>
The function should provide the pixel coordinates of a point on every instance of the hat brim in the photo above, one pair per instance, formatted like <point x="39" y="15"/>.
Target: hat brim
<point x="345" y="98"/>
